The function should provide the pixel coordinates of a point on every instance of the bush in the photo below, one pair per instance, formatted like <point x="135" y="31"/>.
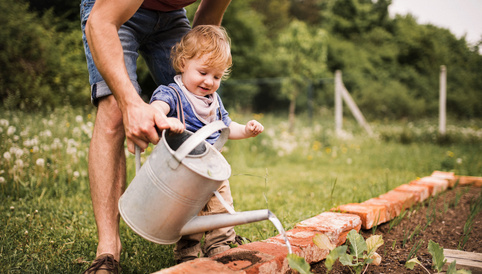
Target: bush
<point x="41" y="67"/>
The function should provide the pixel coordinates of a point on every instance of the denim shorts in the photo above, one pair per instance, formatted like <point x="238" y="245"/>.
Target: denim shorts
<point x="150" y="33"/>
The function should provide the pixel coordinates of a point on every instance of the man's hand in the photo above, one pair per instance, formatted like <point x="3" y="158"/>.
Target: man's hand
<point x="140" y="122"/>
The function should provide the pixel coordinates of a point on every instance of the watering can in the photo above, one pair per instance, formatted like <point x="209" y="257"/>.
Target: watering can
<point x="177" y="180"/>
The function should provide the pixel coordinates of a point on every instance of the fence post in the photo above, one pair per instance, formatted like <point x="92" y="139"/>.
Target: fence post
<point x="338" y="102"/>
<point x="442" y="100"/>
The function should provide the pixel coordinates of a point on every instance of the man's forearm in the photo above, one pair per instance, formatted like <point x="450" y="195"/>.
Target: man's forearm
<point x="210" y="12"/>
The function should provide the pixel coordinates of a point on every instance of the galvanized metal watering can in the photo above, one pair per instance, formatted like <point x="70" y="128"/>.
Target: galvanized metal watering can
<point x="179" y="177"/>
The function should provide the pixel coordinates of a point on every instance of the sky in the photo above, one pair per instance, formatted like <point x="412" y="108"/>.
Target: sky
<point x="461" y="17"/>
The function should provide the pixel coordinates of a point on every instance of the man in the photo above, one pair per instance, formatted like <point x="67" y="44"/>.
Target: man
<point x="114" y="33"/>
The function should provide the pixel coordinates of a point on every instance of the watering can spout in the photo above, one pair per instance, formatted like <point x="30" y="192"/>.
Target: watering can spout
<point x="209" y="222"/>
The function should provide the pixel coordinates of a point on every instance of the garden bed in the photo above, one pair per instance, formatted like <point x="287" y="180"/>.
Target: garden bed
<point x="440" y="219"/>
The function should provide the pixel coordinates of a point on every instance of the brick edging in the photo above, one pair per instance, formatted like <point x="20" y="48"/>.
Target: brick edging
<point x="269" y="256"/>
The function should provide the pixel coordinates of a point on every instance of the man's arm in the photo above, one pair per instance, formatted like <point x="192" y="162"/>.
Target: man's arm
<point x="210" y="12"/>
<point x="139" y="118"/>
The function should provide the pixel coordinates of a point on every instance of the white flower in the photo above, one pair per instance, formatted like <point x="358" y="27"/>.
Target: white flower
<point x="76" y="174"/>
<point x="26" y="232"/>
<point x="459" y="161"/>
<point x="11" y="130"/>
<point x="4" y="123"/>
<point x="19" y="163"/>
<point x="78" y="119"/>
<point x="2" y="180"/>
<point x="40" y="162"/>
<point x="7" y="155"/>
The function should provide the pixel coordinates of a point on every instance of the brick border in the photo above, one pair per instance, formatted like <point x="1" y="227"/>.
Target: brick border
<point x="269" y="256"/>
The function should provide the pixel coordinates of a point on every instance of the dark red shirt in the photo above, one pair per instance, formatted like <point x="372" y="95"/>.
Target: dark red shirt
<point x="166" y="5"/>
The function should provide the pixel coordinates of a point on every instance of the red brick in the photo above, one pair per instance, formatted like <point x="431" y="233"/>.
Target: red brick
<point x="370" y="214"/>
<point x="333" y="224"/>
<point x="256" y="257"/>
<point x="422" y="192"/>
<point x="439" y="185"/>
<point x="467" y="180"/>
<point x="302" y="239"/>
<point x="201" y="266"/>
<point x="394" y="207"/>
<point x="449" y="176"/>
<point x="406" y="199"/>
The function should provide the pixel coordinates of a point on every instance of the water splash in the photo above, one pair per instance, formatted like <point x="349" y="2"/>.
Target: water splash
<point x="276" y="222"/>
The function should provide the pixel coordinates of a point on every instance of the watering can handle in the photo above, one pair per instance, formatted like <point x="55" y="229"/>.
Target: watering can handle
<point x="200" y="136"/>
<point x="193" y="141"/>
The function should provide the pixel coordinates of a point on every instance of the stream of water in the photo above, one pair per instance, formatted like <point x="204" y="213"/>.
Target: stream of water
<point x="281" y="230"/>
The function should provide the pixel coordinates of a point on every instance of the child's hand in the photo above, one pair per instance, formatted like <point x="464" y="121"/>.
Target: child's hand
<point x="175" y="125"/>
<point x="253" y="128"/>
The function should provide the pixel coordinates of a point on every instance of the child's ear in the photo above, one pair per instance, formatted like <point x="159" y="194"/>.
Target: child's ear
<point x="183" y="65"/>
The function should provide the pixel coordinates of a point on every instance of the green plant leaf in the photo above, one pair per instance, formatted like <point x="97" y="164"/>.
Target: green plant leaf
<point x="347" y="259"/>
<point x="323" y="242"/>
<point x="452" y="269"/>
<point x="357" y="244"/>
<point x="410" y="264"/>
<point x="438" y="258"/>
<point x="298" y="263"/>
<point x="373" y="243"/>
<point x="334" y="255"/>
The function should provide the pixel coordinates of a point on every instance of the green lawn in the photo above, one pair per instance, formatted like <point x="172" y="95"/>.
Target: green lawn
<point x="48" y="224"/>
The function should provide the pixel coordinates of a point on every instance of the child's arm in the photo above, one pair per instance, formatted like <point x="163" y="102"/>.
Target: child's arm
<point x="251" y="129"/>
<point x="174" y="124"/>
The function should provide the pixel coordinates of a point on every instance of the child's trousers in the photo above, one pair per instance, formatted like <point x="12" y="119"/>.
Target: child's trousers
<point x="215" y="241"/>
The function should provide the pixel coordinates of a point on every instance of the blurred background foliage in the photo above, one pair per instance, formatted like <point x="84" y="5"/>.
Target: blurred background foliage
<point x="285" y="54"/>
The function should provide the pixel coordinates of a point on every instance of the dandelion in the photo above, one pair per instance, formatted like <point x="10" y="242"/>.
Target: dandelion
<point x="11" y="130"/>
<point x="2" y="180"/>
<point x="459" y="161"/>
<point x="12" y="208"/>
<point x="40" y="162"/>
<point x="76" y="174"/>
<point x="7" y="156"/>
<point x="26" y="232"/>
<point x="19" y="163"/>
<point x="79" y="119"/>
<point x="450" y="154"/>
<point x="4" y="123"/>
<point x="316" y="145"/>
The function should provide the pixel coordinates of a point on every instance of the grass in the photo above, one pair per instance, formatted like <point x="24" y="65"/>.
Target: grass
<point x="46" y="212"/>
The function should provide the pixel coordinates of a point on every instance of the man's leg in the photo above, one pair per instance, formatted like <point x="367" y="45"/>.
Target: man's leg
<point x="107" y="174"/>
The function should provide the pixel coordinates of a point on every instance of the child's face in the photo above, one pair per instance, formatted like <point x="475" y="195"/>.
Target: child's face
<point x="199" y="78"/>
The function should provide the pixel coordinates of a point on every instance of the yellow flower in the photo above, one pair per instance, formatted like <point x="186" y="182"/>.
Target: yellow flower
<point x="450" y="154"/>
<point x="316" y="146"/>
<point x="328" y="150"/>
<point x="258" y="116"/>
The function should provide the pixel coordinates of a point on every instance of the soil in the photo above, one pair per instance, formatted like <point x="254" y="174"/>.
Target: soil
<point x="447" y="229"/>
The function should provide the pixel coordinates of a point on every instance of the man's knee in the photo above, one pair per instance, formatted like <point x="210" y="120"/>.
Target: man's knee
<point x="109" y="117"/>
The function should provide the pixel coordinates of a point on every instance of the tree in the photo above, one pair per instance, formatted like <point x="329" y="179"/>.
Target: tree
<point x="301" y="55"/>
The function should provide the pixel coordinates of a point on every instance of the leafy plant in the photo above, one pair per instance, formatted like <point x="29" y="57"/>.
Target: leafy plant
<point x="298" y="263"/>
<point x="362" y="253"/>
<point x="438" y="260"/>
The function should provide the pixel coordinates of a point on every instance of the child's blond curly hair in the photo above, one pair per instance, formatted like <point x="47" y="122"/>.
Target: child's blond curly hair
<point x="209" y="40"/>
